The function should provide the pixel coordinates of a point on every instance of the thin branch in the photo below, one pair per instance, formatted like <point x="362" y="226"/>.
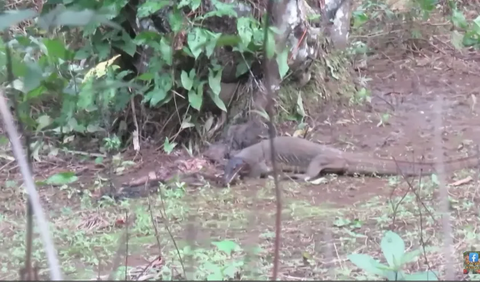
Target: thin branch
<point x="444" y="205"/>
<point x="271" y="132"/>
<point x="19" y="154"/>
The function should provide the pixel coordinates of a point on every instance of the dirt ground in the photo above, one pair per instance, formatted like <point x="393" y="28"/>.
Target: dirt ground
<point x="322" y="223"/>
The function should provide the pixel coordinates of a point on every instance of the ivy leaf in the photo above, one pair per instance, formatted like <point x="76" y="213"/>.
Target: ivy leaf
<point x="216" y="99"/>
<point x="163" y="84"/>
<point x="422" y="276"/>
<point x="282" y="62"/>
<point x="196" y="40"/>
<point x="212" y="42"/>
<point x="195" y="100"/>
<point x="165" y="49"/>
<point x="244" y="30"/>
<point x="33" y="77"/>
<point x="175" y="19"/>
<point x="56" y="49"/>
<point x="270" y="44"/>
<point x="242" y="68"/>
<point x="214" y="80"/>
<point x="168" y="147"/>
<point x="300" y="108"/>
<point x="43" y="121"/>
<point x="459" y="20"/>
<point x="187" y="83"/>
<point x="227" y="246"/>
<point x="127" y="44"/>
<point x="155" y="96"/>
<point x="150" y="7"/>
<point x="62" y="178"/>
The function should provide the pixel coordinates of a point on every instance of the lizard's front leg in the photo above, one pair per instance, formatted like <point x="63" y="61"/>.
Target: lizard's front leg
<point x="258" y="170"/>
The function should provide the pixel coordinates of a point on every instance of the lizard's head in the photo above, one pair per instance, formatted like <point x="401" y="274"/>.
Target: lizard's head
<point x="234" y="166"/>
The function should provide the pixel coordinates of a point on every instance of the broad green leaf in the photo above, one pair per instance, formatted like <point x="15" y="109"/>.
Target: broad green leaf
<point x="195" y="4"/>
<point x="476" y="25"/>
<point x="457" y="40"/>
<point x="214" y="80"/>
<point x="175" y="19"/>
<point x="221" y="9"/>
<point x="392" y="275"/>
<point x="196" y="39"/>
<point x="187" y="82"/>
<point x="393" y="249"/>
<point x="227" y="246"/>
<point x="459" y="20"/>
<point x="91" y="128"/>
<point x="195" y="100"/>
<point x="215" y="272"/>
<point x="14" y="17"/>
<point x="270" y="44"/>
<point x="165" y="49"/>
<point x="244" y="30"/>
<point x="167" y="146"/>
<point x="421" y="276"/>
<point x="470" y="38"/>
<point x="216" y="99"/>
<point x="98" y="160"/>
<point x="62" y="178"/>
<point x="183" y="3"/>
<point x="43" y="121"/>
<point x="300" y="109"/>
<point x="56" y="49"/>
<point x="368" y="264"/>
<point x="163" y="85"/>
<point x="3" y="140"/>
<point x="230" y="271"/>
<point x="146" y="76"/>
<point x="359" y="18"/>
<point x="147" y="37"/>
<point x="410" y="256"/>
<point x="211" y="42"/>
<point x="33" y="77"/>
<point x="282" y="62"/>
<point x="242" y="68"/>
<point x="150" y="7"/>
<point x="155" y="96"/>
<point x="127" y="44"/>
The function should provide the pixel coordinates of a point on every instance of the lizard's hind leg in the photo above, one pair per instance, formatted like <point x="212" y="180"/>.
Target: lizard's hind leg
<point x="322" y="162"/>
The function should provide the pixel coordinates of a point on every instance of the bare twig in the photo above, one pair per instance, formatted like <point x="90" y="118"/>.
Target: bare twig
<point x="423" y="242"/>
<point x="167" y="227"/>
<point x="444" y="205"/>
<point x="122" y="247"/>
<point x="271" y="131"/>
<point x="29" y="227"/>
<point x="126" y="245"/>
<point x="31" y="190"/>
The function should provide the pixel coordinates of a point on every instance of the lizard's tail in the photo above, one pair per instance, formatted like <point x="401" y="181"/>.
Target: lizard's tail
<point x="407" y="168"/>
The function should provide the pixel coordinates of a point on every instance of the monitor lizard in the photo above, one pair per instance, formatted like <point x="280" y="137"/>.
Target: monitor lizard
<point x="308" y="159"/>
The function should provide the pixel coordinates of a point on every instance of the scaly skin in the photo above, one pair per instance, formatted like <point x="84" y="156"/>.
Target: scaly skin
<point x="310" y="159"/>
